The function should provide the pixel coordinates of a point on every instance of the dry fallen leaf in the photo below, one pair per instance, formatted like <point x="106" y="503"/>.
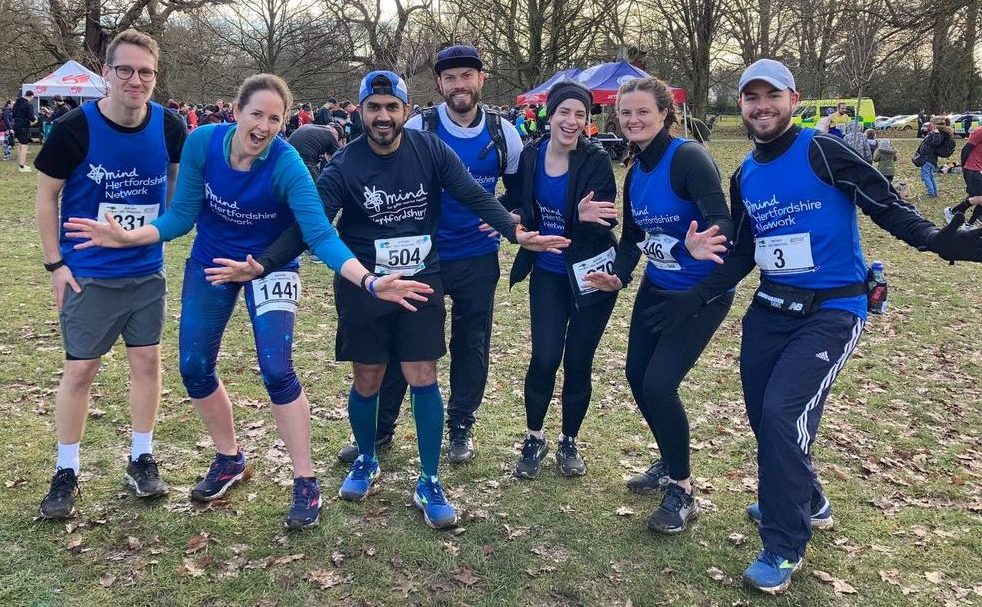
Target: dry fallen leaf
<point x="934" y="576"/>
<point x="738" y="539"/>
<point x="74" y="545"/>
<point x="325" y="578"/>
<point x="716" y="573"/>
<point x="465" y="575"/>
<point x="839" y="586"/>
<point x="133" y="543"/>
<point x="282" y="560"/>
<point x="107" y="581"/>
<point x="196" y="543"/>
<point x="624" y="511"/>
<point x="193" y="567"/>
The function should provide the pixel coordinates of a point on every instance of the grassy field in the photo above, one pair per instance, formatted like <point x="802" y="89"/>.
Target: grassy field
<point x="899" y="452"/>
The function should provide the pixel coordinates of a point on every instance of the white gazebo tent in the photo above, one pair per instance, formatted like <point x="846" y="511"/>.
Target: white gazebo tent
<point x="70" y="80"/>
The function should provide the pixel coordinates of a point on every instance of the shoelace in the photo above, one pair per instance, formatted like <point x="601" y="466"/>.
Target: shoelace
<point x="568" y="450"/>
<point x="435" y="494"/>
<point x="218" y="467"/>
<point x="302" y="490"/>
<point x="459" y="433"/>
<point x="674" y="498"/>
<point x="657" y="469"/>
<point x="530" y="448"/>
<point x="151" y="469"/>
<point x="63" y="484"/>
<point x="769" y="558"/>
<point x="360" y="469"/>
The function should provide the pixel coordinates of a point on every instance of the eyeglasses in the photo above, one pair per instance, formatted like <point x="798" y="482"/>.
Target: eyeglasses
<point x="125" y="72"/>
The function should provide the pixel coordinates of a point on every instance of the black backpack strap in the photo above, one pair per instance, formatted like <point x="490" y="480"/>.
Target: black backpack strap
<point x="493" y="118"/>
<point x="430" y="119"/>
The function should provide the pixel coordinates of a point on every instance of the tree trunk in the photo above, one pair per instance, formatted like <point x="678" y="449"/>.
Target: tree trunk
<point x="971" y="39"/>
<point x="939" y="52"/>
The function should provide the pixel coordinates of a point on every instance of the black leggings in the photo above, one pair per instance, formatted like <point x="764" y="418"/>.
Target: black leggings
<point x="656" y="365"/>
<point x="561" y="333"/>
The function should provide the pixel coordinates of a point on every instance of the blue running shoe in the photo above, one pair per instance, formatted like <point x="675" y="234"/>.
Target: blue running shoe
<point x="305" y="512"/>
<point x="429" y="498"/>
<point x="821" y="513"/>
<point x="771" y="573"/>
<point x="361" y="477"/>
<point x="224" y="472"/>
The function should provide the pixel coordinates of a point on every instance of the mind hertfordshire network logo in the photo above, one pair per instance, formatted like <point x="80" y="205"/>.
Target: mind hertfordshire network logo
<point x="123" y="184"/>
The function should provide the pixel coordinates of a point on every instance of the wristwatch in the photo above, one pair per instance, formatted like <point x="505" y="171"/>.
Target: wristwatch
<point x="51" y="267"/>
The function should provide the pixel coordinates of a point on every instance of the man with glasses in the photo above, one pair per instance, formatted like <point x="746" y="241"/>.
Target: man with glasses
<point x="114" y="157"/>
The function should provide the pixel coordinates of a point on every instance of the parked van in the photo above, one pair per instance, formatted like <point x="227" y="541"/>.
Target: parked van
<point x="810" y="111"/>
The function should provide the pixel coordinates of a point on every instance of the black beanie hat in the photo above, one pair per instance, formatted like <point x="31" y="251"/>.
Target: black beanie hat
<point x="567" y="89"/>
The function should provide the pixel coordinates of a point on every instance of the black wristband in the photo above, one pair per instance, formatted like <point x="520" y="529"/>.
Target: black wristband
<point x="51" y="267"/>
<point x="365" y="278"/>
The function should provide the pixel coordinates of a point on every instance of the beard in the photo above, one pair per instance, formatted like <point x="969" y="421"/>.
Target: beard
<point x="383" y="139"/>
<point x="464" y="105"/>
<point x="780" y="124"/>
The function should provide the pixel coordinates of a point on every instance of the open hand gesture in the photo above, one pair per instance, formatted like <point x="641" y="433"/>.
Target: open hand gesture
<point x="596" y="211"/>
<point x="707" y="244"/>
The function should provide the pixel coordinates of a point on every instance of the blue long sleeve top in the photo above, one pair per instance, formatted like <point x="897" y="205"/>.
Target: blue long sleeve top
<point x="291" y="182"/>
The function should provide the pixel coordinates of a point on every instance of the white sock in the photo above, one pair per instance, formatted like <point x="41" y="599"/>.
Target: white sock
<point x="68" y="457"/>
<point x="142" y="443"/>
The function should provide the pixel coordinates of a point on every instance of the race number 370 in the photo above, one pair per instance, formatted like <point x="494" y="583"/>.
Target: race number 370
<point x="278" y="291"/>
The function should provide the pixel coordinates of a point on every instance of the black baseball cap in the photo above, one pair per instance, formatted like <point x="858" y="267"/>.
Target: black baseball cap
<point x="461" y="55"/>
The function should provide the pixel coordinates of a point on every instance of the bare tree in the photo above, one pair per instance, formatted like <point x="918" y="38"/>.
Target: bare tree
<point x="759" y="28"/>
<point x="372" y="39"/>
<point x="692" y="28"/>
<point x="286" y="37"/>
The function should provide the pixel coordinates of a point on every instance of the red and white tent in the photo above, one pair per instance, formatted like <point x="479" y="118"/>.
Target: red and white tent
<point x="70" y="80"/>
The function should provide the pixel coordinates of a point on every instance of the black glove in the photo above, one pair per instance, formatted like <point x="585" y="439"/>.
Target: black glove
<point x="953" y="244"/>
<point x="674" y="307"/>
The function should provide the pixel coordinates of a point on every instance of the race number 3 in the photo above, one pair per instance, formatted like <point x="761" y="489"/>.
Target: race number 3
<point x="130" y="216"/>
<point x="405" y="255"/>
<point x="658" y="248"/>
<point x="278" y="291"/>
<point x="786" y="254"/>
<point x="598" y="263"/>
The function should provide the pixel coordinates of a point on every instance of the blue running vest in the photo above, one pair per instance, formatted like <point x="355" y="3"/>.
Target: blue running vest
<point x="806" y="231"/>
<point x="665" y="219"/>
<point x="458" y="236"/>
<point x="550" y="195"/>
<point x="240" y="214"/>
<point x="126" y="175"/>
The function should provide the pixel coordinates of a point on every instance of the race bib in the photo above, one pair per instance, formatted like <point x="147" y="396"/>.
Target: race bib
<point x="787" y="254"/>
<point x="405" y="255"/>
<point x="278" y="291"/>
<point x="130" y="216"/>
<point x="598" y="263"/>
<point x="658" y="248"/>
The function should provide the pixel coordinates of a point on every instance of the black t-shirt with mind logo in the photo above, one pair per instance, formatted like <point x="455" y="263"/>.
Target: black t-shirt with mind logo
<point x="390" y="205"/>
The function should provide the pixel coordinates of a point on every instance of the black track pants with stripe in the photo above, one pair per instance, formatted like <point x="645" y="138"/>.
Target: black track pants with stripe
<point x="787" y="366"/>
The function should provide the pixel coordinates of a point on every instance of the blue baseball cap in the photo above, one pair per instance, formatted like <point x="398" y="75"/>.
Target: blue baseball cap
<point x="392" y="85"/>
<point x="770" y="71"/>
<point x="461" y="55"/>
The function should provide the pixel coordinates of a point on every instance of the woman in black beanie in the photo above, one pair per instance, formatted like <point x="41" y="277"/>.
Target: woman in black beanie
<point x="566" y="188"/>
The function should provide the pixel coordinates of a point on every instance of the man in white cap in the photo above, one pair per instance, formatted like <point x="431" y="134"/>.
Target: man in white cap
<point x="794" y="199"/>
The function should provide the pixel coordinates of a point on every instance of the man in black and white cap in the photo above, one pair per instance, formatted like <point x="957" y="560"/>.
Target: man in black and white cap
<point x="489" y="147"/>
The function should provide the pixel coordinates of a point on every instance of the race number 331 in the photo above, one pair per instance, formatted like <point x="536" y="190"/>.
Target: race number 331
<point x="278" y="291"/>
<point x="785" y="254"/>
<point x="130" y="216"/>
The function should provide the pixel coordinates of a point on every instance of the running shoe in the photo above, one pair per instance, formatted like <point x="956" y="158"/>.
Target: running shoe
<point x="653" y="479"/>
<point x="771" y="573"/>
<point x="676" y="510"/>
<point x="460" y="447"/>
<point x="225" y="471"/>
<point x="305" y="512"/>
<point x="357" y="485"/>
<point x="143" y="476"/>
<point x="429" y="498"/>
<point x="821" y="513"/>
<point x="60" y="500"/>
<point x="568" y="458"/>
<point x="533" y="452"/>
<point x="349" y="453"/>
